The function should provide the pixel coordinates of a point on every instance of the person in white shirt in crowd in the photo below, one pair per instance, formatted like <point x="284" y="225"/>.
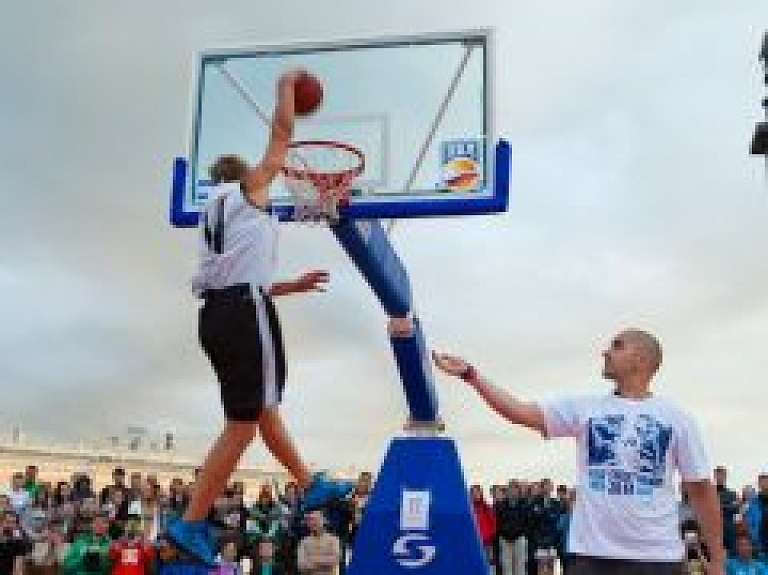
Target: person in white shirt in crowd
<point x="18" y="495"/>
<point x="631" y="442"/>
<point x="319" y="551"/>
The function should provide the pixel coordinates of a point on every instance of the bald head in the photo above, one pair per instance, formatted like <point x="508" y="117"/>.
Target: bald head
<point x="632" y="359"/>
<point x="647" y="344"/>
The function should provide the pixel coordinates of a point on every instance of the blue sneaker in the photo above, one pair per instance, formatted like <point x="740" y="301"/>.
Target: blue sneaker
<point x="323" y="491"/>
<point x="194" y="538"/>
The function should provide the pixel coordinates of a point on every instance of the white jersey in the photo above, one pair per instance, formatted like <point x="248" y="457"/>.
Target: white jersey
<point x="238" y="242"/>
<point x="629" y="450"/>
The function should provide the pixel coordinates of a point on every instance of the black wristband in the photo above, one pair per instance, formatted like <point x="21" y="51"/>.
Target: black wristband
<point x="469" y="374"/>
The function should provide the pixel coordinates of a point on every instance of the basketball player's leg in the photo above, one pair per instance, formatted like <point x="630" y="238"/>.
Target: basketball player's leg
<point x="318" y="489"/>
<point x="229" y="337"/>
<point x="219" y="466"/>
<point x="192" y="533"/>
<point x="280" y="444"/>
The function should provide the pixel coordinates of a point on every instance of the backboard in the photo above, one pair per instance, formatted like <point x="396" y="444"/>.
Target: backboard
<point x="419" y="108"/>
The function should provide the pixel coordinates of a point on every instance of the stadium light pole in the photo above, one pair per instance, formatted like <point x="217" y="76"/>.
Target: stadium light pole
<point x="760" y="139"/>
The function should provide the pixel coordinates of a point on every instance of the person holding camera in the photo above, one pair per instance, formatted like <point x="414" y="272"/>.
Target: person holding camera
<point x="89" y="552"/>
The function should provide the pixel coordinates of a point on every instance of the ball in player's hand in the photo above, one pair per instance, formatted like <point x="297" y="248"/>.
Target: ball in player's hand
<point x="308" y="94"/>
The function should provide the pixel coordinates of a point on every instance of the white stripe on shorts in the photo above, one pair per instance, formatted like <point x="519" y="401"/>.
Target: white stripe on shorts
<point x="268" y="359"/>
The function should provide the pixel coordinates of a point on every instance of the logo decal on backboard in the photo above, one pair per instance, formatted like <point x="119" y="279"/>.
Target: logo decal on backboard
<point x="461" y="164"/>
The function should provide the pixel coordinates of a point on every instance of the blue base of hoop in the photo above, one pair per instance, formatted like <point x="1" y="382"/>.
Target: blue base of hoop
<point x="418" y="517"/>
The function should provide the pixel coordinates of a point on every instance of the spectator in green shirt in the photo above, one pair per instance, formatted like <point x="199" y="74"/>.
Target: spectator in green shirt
<point x="89" y="552"/>
<point x="31" y="481"/>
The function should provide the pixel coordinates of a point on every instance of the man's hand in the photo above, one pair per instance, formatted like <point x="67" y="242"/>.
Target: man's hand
<point x="315" y="280"/>
<point x="706" y="505"/>
<point x="508" y="406"/>
<point x="450" y="364"/>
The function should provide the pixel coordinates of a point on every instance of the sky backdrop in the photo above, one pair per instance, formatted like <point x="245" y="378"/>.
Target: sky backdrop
<point x="634" y="203"/>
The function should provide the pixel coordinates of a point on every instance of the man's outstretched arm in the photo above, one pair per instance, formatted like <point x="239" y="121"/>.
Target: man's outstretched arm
<point x="509" y="407"/>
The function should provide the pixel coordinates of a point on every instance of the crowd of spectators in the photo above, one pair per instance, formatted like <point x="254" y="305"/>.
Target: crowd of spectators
<point x="524" y="527"/>
<point x="75" y="527"/>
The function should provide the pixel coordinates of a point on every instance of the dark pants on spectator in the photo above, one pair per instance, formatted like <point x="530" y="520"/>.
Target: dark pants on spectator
<point x="582" y="565"/>
<point x="498" y="568"/>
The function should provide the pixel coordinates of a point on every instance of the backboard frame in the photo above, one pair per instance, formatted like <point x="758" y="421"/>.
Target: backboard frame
<point x="494" y="198"/>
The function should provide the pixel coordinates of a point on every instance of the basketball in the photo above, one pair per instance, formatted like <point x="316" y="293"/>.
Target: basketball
<point x="308" y="94"/>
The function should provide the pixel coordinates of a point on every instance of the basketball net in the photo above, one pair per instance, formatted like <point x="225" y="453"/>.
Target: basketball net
<point x="318" y="174"/>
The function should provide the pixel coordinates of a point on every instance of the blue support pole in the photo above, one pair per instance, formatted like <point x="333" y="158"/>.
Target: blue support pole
<point x="367" y="244"/>
<point x="415" y="367"/>
<point x="418" y="517"/>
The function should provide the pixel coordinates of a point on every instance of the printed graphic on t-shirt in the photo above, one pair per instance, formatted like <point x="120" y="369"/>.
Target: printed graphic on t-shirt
<point x="627" y="458"/>
<point x="129" y="556"/>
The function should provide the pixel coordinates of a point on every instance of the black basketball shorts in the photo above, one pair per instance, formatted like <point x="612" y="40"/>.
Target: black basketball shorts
<point x="240" y="333"/>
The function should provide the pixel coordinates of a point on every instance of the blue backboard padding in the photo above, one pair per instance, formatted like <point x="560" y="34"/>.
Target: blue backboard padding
<point x="180" y="216"/>
<point x="428" y="465"/>
<point x="367" y="244"/>
<point x="184" y="215"/>
<point x="415" y="369"/>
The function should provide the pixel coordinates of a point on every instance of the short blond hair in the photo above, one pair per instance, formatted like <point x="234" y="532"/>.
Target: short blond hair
<point x="228" y="168"/>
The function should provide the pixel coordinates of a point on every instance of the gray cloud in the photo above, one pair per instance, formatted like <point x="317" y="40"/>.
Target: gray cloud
<point x="634" y="203"/>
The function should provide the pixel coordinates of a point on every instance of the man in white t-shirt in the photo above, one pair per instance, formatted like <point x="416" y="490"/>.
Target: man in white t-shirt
<point x="631" y="443"/>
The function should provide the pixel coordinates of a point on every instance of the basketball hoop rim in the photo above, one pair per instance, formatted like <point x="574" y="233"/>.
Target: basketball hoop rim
<point x="313" y="174"/>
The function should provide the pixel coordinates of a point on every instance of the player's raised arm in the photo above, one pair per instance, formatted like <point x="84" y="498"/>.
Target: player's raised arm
<point x="281" y="133"/>
<point x="509" y="407"/>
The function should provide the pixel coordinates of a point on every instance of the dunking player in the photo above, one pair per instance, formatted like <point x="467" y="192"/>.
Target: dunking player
<point x="239" y="328"/>
<point x="625" y="519"/>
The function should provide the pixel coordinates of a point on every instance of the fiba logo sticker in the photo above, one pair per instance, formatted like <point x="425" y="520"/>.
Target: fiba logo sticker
<point x="461" y="164"/>
<point x="414" y="549"/>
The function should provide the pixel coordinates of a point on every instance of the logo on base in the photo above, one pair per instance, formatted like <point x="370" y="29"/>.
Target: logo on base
<point x="410" y="555"/>
<point x="413" y="549"/>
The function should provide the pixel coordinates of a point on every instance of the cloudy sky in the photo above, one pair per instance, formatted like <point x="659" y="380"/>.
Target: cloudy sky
<point x="634" y="203"/>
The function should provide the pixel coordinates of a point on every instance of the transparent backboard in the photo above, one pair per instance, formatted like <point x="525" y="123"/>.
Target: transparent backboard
<point x="419" y="108"/>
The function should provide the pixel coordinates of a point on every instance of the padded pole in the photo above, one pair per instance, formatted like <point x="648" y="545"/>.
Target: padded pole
<point x="415" y="367"/>
<point x="367" y="244"/>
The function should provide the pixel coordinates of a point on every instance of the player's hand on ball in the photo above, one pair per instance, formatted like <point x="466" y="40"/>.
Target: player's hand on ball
<point x="292" y="76"/>
<point x="315" y="280"/>
<point x="450" y="364"/>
